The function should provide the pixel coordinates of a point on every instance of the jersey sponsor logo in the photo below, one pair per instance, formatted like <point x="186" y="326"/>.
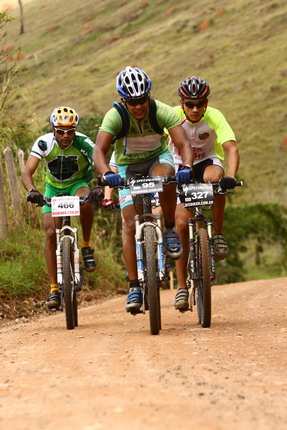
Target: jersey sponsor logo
<point x="203" y="136"/>
<point x="64" y="167"/>
<point x="42" y="145"/>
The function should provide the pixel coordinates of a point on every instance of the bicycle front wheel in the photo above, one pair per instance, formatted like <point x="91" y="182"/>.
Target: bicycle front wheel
<point x="203" y="288"/>
<point x="151" y="281"/>
<point x="68" y="285"/>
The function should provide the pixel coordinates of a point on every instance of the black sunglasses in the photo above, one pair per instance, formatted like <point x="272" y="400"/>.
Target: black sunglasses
<point x="134" y="102"/>
<point x="69" y="132"/>
<point x="191" y="105"/>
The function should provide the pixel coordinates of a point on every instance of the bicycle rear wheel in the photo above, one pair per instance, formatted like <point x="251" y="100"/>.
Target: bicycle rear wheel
<point x="203" y="287"/>
<point x="151" y="281"/>
<point x="68" y="285"/>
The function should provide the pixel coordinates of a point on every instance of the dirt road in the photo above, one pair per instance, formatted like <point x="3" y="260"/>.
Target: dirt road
<point x="110" y="373"/>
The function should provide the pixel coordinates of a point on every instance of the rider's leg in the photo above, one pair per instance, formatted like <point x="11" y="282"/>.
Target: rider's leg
<point x="86" y="215"/>
<point x="167" y="197"/>
<point x="128" y="237"/>
<point x="213" y="174"/>
<point x="50" y="247"/>
<point x="182" y="215"/>
<point x="168" y="204"/>
<point x="50" y="253"/>
<point x="134" y="299"/>
<point x="86" y="219"/>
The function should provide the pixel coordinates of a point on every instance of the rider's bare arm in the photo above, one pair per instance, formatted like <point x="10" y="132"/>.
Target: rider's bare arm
<point x="180" y="141"/>
<point x="103" y="143"/>
<point x="232" y="158"/>
<point x="29" y="170"/>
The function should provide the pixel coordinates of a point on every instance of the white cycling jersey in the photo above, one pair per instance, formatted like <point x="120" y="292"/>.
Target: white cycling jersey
<point x="206" y="136"/>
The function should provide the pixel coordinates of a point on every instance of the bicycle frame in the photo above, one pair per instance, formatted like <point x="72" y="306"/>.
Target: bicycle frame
<point x="72" y="232"/>
<point x="201" y="265"/>
<point x="142" y="221"/>
<point x="150" y="252"/>
<point x="194" y="224"/>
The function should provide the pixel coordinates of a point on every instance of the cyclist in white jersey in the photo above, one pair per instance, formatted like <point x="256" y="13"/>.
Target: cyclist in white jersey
<point x="145" y="151"/>
<point x="212" y="138"/>
<point x="68" y="157"/>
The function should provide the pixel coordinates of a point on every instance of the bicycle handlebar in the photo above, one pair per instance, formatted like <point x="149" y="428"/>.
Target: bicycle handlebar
<point x="47" y="201"/>
<point x="168" y="179"/>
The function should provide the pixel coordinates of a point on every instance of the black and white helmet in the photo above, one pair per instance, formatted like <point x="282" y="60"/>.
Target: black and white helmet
<point x="193" y="88"/>
<point x="133" y="83"/>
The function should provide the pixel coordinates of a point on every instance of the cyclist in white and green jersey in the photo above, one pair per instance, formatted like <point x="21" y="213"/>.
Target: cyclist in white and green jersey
<point x="142" y="150"/>
<point x="68" y="157"/>
<point x="212" y="138"/>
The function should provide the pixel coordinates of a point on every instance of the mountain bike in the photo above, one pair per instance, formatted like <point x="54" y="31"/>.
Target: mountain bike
<point x="200" y="267"/>
<point x="69" y="270"/>
<point x="150" y="251"/>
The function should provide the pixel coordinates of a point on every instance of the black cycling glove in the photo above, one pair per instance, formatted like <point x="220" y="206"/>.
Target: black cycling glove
<point x="95" y="195"/>
<point x="227" y="183"/>
<point x="35" y="197"/>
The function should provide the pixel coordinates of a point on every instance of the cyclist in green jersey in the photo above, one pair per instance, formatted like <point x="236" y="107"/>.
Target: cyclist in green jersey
<point x="142" y="151"/>
<point x="68" y="156"/>
<point x="212" y="138"/>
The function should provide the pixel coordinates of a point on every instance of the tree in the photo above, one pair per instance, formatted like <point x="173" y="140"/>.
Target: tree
<point x="21" y="17"/>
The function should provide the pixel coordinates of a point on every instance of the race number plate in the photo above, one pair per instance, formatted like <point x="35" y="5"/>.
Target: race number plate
<point x="146" y="185"/>
<point x="197" y="195"/>
<point x="65" y="206"/>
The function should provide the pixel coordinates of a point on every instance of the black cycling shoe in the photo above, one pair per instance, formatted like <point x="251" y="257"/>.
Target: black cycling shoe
<point x="89" y="259"/>
<point x="54" y="300"/>
<point x="220" y="247"/>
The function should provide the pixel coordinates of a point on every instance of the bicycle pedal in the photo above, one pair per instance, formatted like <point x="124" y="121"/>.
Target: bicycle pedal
<point x="135" y="312"/>
<point x="55" y="309"/>
<point x="184" y="310"/>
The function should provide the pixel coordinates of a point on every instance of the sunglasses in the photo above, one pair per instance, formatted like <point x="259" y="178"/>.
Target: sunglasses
<point x="191" y="105"/>
<point x="134" y="102"/>
<point x="69" y="132"/>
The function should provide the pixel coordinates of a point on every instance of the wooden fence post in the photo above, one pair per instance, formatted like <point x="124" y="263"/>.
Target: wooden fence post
<point x="12" y="179"/>
<point x="3" y="212"/>
<point x="21" y="159"/>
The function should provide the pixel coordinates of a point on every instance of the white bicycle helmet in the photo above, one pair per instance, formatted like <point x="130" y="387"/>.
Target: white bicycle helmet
<point x="64" y="116"/>
<point x="133" y="83"/>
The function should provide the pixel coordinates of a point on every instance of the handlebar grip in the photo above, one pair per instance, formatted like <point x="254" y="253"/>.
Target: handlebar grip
<point x="103" y="183"/>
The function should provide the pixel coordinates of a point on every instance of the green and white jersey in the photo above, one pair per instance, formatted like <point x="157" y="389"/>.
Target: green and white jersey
<point x="65" y="166"/>
<point x="141" y="145"/>
<point x="206" y="136"/>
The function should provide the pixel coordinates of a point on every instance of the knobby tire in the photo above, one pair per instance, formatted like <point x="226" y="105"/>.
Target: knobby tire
<point x="68" y="285"/>
<point x="151" y="281"/>
<point x="204" y="279"/>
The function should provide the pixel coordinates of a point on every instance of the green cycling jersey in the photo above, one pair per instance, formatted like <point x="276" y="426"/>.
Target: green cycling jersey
<point x="142" y="143"/>
<point x="65" y="166"/>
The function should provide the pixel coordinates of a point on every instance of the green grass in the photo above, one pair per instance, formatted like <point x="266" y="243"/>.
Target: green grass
<point x="242" y="54"/>
<point x="23" y="267"/>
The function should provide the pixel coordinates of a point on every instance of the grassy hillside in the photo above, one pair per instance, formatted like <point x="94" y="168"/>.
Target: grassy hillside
<point x="72" y="54"/>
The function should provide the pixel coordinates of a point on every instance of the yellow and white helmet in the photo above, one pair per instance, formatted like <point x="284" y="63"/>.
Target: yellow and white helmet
<point x="64" y="116"/>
